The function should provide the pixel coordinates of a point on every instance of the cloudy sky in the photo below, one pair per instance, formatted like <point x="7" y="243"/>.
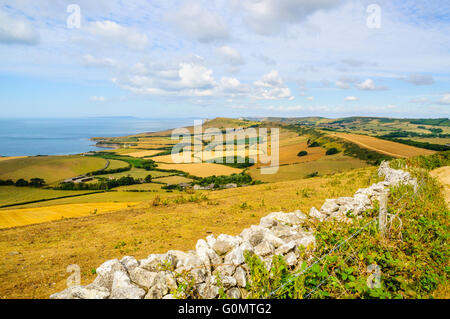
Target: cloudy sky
<point x="166" y="58"/>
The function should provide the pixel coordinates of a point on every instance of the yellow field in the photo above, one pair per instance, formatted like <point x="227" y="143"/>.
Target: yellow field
<point x="50" y="168"/>
<point x="383" y="146"/>
<point x="202" y="169"/>
<point x="443" y="175"/>
<point x="38" y="269"/>
<point x="27" y="216"/>
<point x="6" y="158"/>
<point x="114" y="164"/>
<point x="325" y="165"/>
<point x="144" y="153"/>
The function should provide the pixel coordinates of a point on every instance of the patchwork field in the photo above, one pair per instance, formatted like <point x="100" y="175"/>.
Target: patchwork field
<point x="443" y="175"/>
<point x="383" y="146"/>
<point x="145" y="153"/>
<point x="173" y="180"/>
<point x="37" y="255"/>
<point x="202" y="169"/>
<point x="50" y="168"/>
<point x="115" y="164"/>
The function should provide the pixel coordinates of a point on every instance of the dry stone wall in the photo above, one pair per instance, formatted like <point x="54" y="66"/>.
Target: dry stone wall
<point x="223" y="257"/>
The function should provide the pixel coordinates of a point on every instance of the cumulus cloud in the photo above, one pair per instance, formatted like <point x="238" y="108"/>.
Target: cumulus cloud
<point x="310" y="98"/>
<point x="119" y="34"/>
<point x="355" y="63"/>
<point x="265" y="59"/>
<point x="17" y="31"/>
<point x="91" y="61"/>
<point x="271" y="87"/>
<point x="369" y="85"/>
<point x="351" y="98"/>
<point x="199" y="23"/>
<point x="229" y="55"/>
<point x="419" y="79"/>
<point x="268" y="17"/>
<point x="343" y="85"/>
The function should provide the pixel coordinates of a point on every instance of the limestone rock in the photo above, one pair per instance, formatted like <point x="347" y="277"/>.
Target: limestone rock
<point x="105" y="273"/>
<point x="122" y="288"/>
<point x="264" y="249"/>
<point x="91" y="291"/>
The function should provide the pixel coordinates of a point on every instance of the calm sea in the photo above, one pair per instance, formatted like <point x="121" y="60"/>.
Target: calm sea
<point x="71" y="136"/>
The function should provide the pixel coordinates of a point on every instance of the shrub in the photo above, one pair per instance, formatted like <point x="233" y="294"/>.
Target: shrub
<point x="148" y="179"/>
<point x="21" y="183"/>
<point x="302" y="153"/>
<point x="332" y="151"/>
<point x="314" y="144"/>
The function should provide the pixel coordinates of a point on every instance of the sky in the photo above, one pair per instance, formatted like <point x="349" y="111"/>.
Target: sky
<point x="166" y="58"/>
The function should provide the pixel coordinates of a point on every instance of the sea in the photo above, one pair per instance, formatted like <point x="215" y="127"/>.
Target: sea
<point x="30" y="137"/>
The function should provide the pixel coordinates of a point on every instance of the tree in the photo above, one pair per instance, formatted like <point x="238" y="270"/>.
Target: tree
<point x="302" y="153"/>
<point x="37" y="182"/>
<point x="148" y="179"/>
<point x="332" y="151"/>
<point x="21" y="183"/>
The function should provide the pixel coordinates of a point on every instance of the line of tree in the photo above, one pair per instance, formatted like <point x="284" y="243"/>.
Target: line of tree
<point x="102" y="184"/>
<point x="34" y="182"/>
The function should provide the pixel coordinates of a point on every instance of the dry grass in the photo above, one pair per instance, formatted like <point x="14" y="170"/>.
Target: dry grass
<point x="382" y="146"/>
<point x="443" y="175"/>
<point x="202" y="169"/>
<point x="20" y="217"/>
<point x="45" y="250"/>
<point x="7" y="158"/>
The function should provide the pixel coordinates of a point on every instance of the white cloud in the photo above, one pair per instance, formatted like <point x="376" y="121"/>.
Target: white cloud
<point x="445" y="99"/>
<point x="199" y="23"/>
<point x="310" y="98"/>
<point x="369" y="85"/>
<point x="342" y="85"/>
<point x="268" y="17"/>
<point x="195" y="76"/>
<point x="97" y="99"/>
<point x="351" y="98"/>
<point x="89" y="60"/>
<point x="271" y="87"/>
<point x="229" y="55"/>
<point x="119" y="34"/>
<point x="17" y="31"/>
<point x="419" y="79"/>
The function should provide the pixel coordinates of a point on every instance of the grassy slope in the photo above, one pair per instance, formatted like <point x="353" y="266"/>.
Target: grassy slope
<point x="50" y="168"/>
<point x="46" y="249"/>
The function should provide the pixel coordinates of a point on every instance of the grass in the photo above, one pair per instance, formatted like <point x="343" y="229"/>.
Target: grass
<point x="13" y="195"/>
<point x="136" y="173"/>
<point x="115" y="164"/>
<point x="143" y="153"/>
<point x="46" y="249"/>
<point x="173" y="180"/>
<point x="50" y="168"/>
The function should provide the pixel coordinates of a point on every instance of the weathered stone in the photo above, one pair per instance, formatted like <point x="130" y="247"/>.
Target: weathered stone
<point x="91" y="291"/>
<point x="122" y="288"/>
<point x="154" y="262"/>
<point x="241" y="277"/>
<point x="226" y="270"/>
<point x="234" y="293"/>
<point x="210" y="240"/>
<point x="235" y="256"/>
<point x="209" y="289"/>
<point x="159" y="287"/>
<point x="264" y="249"/>
<point x="228" y="281"/>
<point x="105" y="273"/>
<point x="330" y="206"/>
<point x="314" y="212"/>
<point x="142" y="277"/>
<point x="284" y="249"/>
<point x="129" y="262"/>
<point x="225" y="243"/>
<point x="291" y="259"/>
<point x="273" y="219"/>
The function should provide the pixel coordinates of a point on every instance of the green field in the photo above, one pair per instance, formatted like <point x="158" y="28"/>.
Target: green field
<point x="115" y="164"/>
<point x="137" y="173"/>
<point x="51" y="168"/>
<point x="12" y="195"/>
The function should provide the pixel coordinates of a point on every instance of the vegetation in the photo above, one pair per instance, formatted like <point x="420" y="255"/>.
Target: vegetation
<point x="238" y="179"/>
<point x="302" y="153"/>
<point x="332" y="151"/>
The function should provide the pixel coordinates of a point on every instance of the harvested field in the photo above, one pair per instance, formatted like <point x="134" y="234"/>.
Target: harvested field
<point x="384" y="146"/>
<point x="202" y="169"/>
<point x="28" y="216"/>
<point x="443" y="176"/>
<point x="173" y="180"/>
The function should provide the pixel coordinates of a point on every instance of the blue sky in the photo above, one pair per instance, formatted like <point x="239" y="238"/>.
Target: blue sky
<point x="225" y="58"/>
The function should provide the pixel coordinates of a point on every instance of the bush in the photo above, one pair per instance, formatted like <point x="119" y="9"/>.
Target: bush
<point x="37" y="182"/>
<point x="314" y="144"/>
<point x="302" y="153"/>
<point x="21" y="183"/>
<point x="148" y="179"/>
<point x="332" y="151"/>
